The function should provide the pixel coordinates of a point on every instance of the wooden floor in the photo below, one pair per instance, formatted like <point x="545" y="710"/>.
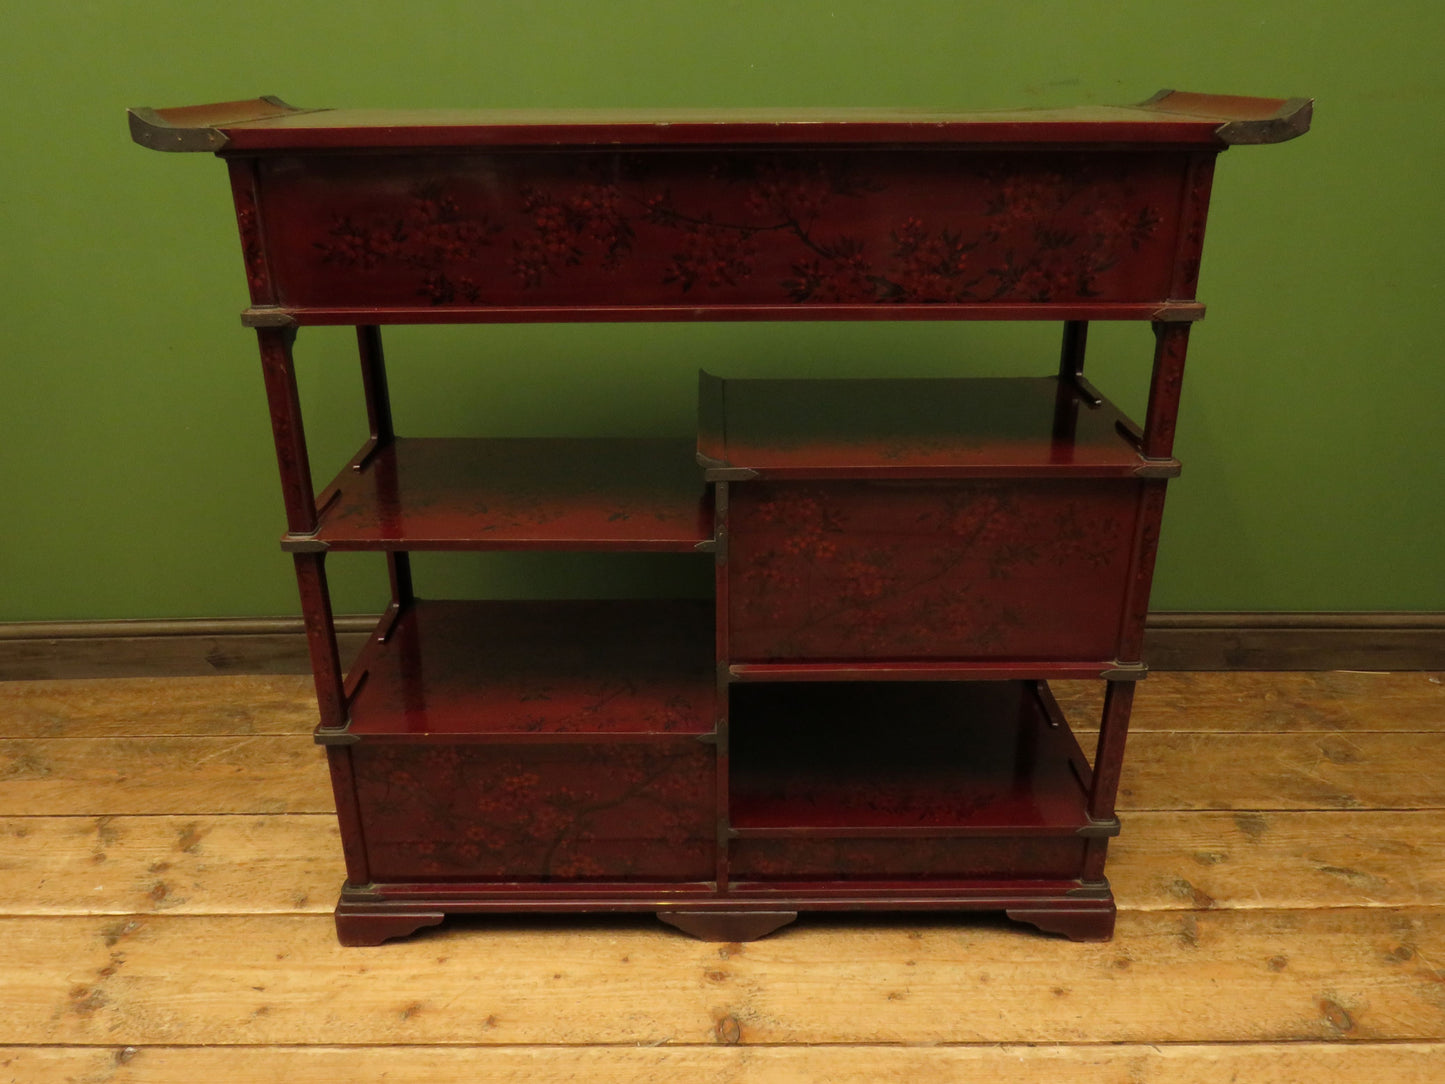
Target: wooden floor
<point x="168" y="865"/>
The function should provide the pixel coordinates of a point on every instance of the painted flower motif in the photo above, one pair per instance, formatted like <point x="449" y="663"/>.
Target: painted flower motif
<point x="712" y="255"/>
<point x="954" y="574"/>
<point x="529" y="812"/>
<point x="1040" y="234"/>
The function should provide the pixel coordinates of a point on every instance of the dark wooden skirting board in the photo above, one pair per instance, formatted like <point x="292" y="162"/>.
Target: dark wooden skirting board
<point x="67" y="650"/>
<point x="1175" y="641"/>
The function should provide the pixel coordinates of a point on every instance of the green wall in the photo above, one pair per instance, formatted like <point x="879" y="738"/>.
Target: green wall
<point x="137" y="469"/>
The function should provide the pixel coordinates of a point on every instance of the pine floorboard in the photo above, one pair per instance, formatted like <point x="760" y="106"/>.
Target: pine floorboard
<point x="168" y="863"/>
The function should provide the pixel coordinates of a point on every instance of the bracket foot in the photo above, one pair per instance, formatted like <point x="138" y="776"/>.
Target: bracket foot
<point x="727" y="925"/>
<point x="1094" y="922"/>
<point x="357" y="927"/>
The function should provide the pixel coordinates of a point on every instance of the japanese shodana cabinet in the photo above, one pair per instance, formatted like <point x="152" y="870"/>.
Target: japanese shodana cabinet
<point x="860" y="718"/>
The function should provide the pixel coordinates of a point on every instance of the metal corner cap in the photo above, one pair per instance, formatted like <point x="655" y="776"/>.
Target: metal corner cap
<point x="729" y="474"/>
<point x="1125" y="671"/>
<point x="303" y="543"/>
<point x="1099" y="829"/>
<point x="267" y="317"/>
<point x="1158" y="468"/>
<point x="1178" y="312"/>
<point x="151" y="130"/>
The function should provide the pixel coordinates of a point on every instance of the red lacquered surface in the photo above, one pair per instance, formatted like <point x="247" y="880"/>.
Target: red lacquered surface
<point x="691" y="229"/>
<point x="934" y="670"/>
<point x="269" y="124"/>
<point x="971" y="570"/>
<point x="895" y="759"/>
<point x="936" y="858"/>
<point x="580" y="811"/>
<point x="565" y="670"/>
<point x="539" y="756"/>
<point x="1012" y="427"/>
<point x="524" y="493"/>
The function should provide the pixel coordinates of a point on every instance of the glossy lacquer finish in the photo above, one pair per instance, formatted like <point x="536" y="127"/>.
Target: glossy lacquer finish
<point x="472" y="671"/>
<point x="932" y="758"/>
<point x="919" y="428"/>
<point x="910" y="570"/>
<point x="781" y="227"/>
<point x="524" y="493"/>
<point x="578" y="812"/>
<point x="860" y="719"/>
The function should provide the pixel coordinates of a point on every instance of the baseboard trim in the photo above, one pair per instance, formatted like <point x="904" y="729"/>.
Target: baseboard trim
<point x="1174" y="641"/>
<point x="49" y="650"/>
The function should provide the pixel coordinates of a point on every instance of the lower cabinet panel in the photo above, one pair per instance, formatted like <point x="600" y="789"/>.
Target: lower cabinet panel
<point x="572" y="811"/>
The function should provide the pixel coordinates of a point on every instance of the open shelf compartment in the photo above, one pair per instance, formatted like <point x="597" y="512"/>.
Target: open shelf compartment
<point x="925" y="758"/>
<point x="537" y="670"/>
<point x="438" y="493"/>
<point x="1005" y="427"/>
<point x="925" y="782"/>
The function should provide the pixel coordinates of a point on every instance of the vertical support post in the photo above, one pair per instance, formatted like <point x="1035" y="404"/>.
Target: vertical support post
<point x="1026" y="744"/>
<point x="378" y="415"/>
<point x="373" y="383"/>
<point x="348" y="813"/>
<point x="724" y="685"/>
<point x="289" y="434"/>
<point x="1071" y="371"/>
<point x="1108" y="765"/>
<point x="1171" y="343"/>
<point x="1109" y="754"/>
<point x="321" y="638"/>
<point x="398" y="568"/>
<point x="1071" y="357"/>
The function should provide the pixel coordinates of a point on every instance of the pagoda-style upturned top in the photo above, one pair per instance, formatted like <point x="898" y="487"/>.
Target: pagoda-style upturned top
<point x="269" y="124"/>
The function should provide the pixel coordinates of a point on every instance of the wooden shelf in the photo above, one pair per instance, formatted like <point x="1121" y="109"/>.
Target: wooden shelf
<point x="1015" y="427"/>
<point x="519" y="493"/>
<point x="896" y="759"/>
<point x="540" y="670"/>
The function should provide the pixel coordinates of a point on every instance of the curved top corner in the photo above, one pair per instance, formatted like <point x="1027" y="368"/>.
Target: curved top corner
<point x="200" y="127"/>
<point x="1243" y="120"/>
<point x="1292" y="119"/>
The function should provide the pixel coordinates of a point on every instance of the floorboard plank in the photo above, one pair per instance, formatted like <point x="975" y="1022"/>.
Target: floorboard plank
<point x="131" y="707"/>
<point x="1271" y="976"/>
<point x="188" y="775"/>
<point x="1266" y="1063"/>
<point x="1283" y="771"/>
<point x="1173" y="860"/>
<point x="170" y="864"/>
<point x="1279" y="702"/>
<point x="292" y="863"/>
<point x="286" y="774"/>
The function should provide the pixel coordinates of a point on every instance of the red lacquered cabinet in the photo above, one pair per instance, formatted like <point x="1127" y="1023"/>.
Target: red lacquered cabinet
<point x="860" y="719"/>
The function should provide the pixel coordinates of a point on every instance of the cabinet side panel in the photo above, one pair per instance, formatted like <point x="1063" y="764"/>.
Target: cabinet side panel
<point x="245" y="193"/>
